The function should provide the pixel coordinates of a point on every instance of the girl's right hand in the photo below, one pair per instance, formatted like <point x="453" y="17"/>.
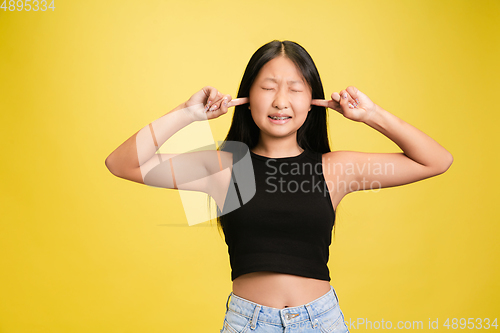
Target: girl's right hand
<point x="208" y="103"/>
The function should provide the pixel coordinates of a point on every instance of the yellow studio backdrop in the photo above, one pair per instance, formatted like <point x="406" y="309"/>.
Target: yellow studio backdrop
<point x="84" y="251"/>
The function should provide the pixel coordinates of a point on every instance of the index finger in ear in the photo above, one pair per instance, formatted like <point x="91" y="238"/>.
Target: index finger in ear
<point x="237" y="101"/>
<point x="319" y="102"/>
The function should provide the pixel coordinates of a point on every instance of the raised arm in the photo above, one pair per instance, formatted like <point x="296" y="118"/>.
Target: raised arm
<point x="422" y="156"/>
<point x="136" y="158"/>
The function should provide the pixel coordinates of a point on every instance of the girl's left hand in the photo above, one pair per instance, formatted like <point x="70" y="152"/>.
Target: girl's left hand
<point x="351" y="103"/>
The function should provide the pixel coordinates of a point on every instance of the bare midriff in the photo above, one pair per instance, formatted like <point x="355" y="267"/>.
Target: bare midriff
<point x="277" y="290"/>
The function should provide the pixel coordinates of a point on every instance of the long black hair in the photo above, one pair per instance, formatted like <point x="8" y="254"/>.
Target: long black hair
<point x="312" y="135"/>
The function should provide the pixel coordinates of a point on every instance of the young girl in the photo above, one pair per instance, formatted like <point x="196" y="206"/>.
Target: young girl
<point x="278" y="214"/>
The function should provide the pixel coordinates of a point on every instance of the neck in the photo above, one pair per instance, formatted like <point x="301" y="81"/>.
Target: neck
<point x="277" y="147"/>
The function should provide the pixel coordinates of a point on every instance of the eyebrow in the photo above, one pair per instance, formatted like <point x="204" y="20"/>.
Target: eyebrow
<point x="289" y="81"/>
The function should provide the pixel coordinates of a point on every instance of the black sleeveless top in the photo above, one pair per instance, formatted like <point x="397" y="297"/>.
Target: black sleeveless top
<point x="286" y="226"/>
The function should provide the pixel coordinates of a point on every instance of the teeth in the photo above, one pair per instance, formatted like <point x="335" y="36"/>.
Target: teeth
<point x="279" y="118"/>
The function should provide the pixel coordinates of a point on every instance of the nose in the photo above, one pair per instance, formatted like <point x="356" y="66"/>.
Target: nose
<point x="281" y="99"/>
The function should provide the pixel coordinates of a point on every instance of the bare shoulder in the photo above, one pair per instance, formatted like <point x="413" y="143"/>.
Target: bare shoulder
<point x="335" y="161"/>
<point x="339" y="156"/>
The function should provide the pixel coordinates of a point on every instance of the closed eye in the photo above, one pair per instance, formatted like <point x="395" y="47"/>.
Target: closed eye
<point x="292" y="90"/>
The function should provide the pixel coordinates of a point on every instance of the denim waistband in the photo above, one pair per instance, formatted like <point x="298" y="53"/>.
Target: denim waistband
<point x="287" y="316"/>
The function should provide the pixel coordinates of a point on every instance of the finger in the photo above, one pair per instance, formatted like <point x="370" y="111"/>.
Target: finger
<point x="353" y="93"/>
<point x="212" y="97"/>
<point x="216" y="104"/>
<point x="336" y="97"/>
<point x="237" y="101"/>
<point x="219" y="98"/>
<point x="223" y="105"/>
<point x="344" y="100"/>
<point x="320" y="102"/>
<point x="350" y="102"/>
<point x="219" y="103"/>
<point x="211" y="94"/>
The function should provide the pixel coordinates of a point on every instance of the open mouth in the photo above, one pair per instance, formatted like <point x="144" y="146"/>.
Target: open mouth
<point x="279" y="118"/>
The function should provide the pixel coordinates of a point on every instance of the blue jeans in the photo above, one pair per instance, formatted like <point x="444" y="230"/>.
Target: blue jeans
<point x="321" y="315"/>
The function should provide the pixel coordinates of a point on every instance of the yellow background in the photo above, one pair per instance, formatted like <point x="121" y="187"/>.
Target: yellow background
<point x="84" y="251"/>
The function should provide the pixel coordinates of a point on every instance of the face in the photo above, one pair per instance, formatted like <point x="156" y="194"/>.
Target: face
<point x="280" y="88"/>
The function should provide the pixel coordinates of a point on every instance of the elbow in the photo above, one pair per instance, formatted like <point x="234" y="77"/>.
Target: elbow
<point x="109" y="165"/>
<point x="446" y="164"/>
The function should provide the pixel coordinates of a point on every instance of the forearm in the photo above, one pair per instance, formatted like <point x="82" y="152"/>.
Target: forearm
<point x="143" y="145"/>
<point x="415" y="144"/>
